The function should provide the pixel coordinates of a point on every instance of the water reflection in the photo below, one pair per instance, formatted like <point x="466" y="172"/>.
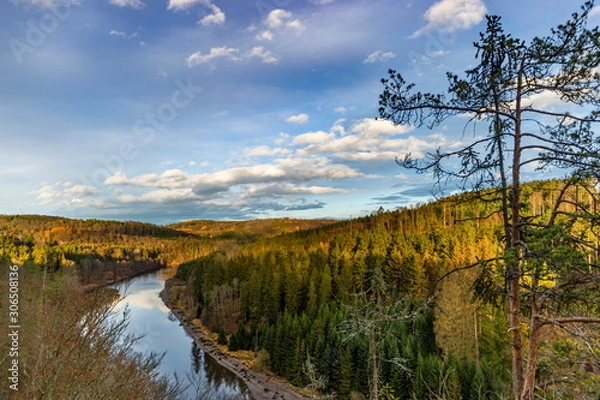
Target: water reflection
<point x="204" y="377"/>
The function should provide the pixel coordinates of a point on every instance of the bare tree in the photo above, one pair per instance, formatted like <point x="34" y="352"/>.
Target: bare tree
<point x="369" y="318"/>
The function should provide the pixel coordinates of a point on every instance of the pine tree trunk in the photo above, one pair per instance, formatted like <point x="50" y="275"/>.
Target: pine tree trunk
<point x="374" y="365"/>
<point x="514" y="269"/>
<point x="532" y="353"/>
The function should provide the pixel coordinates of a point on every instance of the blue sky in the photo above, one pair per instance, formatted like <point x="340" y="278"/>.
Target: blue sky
<point x="168" y="110"/>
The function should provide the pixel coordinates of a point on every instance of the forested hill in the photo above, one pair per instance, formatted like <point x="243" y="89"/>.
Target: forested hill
<point x="246" y="230"/>
<point x="102" y="250"/>
<point x="341" y="306"/>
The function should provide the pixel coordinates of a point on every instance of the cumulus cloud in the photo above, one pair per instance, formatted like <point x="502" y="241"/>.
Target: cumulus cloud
<point x="290" y="170"/>
<point x="216" y="52"/>
<point x="452" y="15"/>
<point x="265" y="35"/>
<point x="298" y="119"/>
<point x="184" y="4"/>
<point x="217" y="17"/>
<point x="313" y="137"/>
<point x="136" y="4"/>
<point x="68" y="194"/>
<point x="276" y="18"/>
<point x="280" y="19"/>
<point x="117" y="33"/>
<point x="379" y="56"/>
<point x="170" y="179"/>
<point x="82" y="190"/>
<point x="265" y="151"/>
<point x="265" y="55"/>
<point x="160" y="196"/>
<point x="544" y="100"/>
<point x="321" y="2"/>
<point x="365" y="140"/>
<point x="232" y="54"/>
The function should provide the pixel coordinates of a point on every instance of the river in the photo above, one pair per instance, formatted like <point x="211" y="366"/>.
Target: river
<point x="204" y="378"/>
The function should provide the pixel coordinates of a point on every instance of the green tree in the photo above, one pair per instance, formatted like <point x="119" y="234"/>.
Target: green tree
<point x="561" y="288"/>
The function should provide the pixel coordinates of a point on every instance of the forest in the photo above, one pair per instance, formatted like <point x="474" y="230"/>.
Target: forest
<point x="359" y="306"/>
<point x="380" y="304"/>
<point x="70" y="344"/>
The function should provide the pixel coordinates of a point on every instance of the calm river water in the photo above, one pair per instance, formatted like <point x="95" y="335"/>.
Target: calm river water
<point x="204" y="377"/>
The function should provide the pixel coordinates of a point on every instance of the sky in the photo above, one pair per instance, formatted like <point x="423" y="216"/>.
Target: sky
<point x="169" y="110"/>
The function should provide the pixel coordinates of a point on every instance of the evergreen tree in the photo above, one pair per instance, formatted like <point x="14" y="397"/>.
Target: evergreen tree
<point x="500" y="91"/>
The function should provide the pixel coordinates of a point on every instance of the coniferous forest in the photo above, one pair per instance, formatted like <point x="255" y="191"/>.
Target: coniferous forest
<point x="491" y="293"/>
<point x="396" y="303"/>
<point x="382" y="303"/>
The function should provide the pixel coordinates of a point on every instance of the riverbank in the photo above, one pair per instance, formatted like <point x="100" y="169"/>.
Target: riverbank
<point x="261" y="385"/>
<point x="116" y="277"/>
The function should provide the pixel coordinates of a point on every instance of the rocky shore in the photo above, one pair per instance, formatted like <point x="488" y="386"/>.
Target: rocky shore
<point x="261" y="385"/>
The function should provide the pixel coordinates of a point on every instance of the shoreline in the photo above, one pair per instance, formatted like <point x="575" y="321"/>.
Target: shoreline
<point x="261" y="385"/>
<point x="106" y="283"/>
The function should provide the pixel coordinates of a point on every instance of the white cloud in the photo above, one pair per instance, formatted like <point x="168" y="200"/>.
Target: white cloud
<point x="216" y="52"/>
<point x="282" y="19"/>
<point x="192" y="164"/>
<point x="277" y="17"/>
<point x="370" y="127"/>
<point x="136" y="4"/>
<point x="290" y="169"/>
<point x="82" y="190"/>
<point x="229" y="53"/>
<point x="117" y="33"/>
<point x="321" y="2"/>
<point x="67" y="193"/>
<point x="47" y="194"/>
<point x="452" y="15"/>
<point x="365" y="140"/>
<point x="313" y="137"/>
<point x="265" y="35"/>
<point x="379" y="56"/>
<point x="160" y="196"/>
<point x="217" y="17"/>
<point x="264" y="151"/>
<point x="296" y="25"/>
<point x="595" y="11"/>
<point x="298" y="119"/>
<point x="260" y="52"/>
<point x="170" y="179"/>
<point x="544" y="100"/>
<point x="184" y="4"/>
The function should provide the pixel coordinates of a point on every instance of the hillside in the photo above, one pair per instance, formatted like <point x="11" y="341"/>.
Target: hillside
<point x="334" y="306"/>
<point x="246" y="230"/>
<point x="104" y="250"/>
<point x="346" y="299"/>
